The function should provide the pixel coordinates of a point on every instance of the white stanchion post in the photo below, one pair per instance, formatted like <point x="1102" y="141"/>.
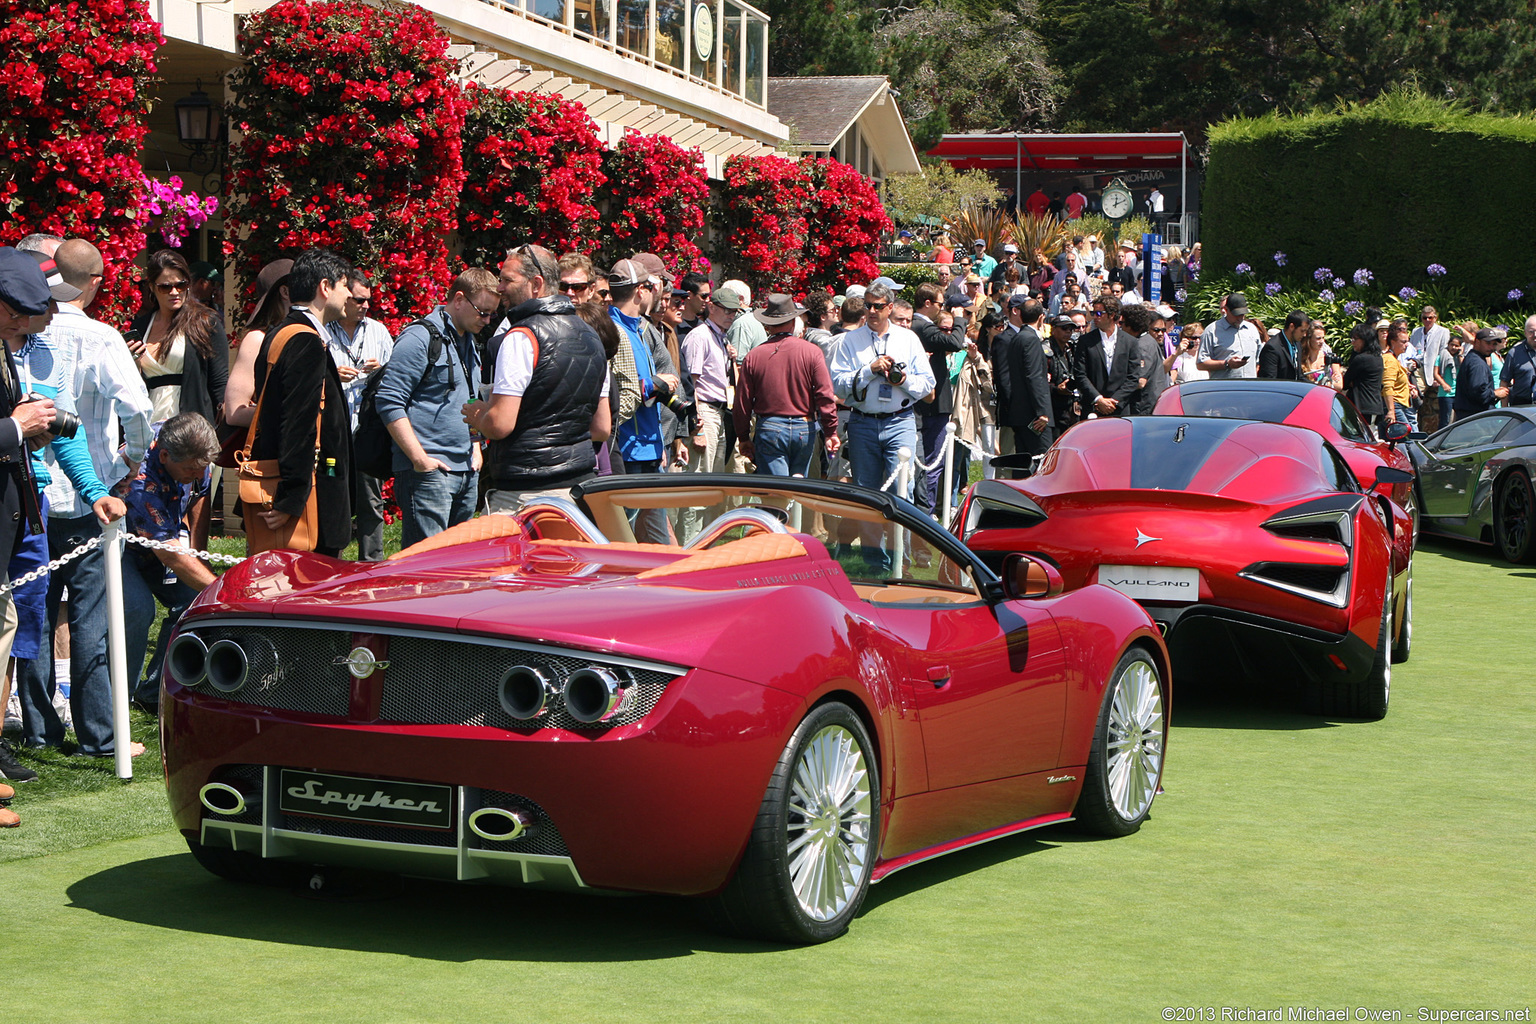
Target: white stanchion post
<point x="117" y="646"/>
<point x="949" y="475"/>
<point x="903" y="486"/>
<point x="794" y="509"/>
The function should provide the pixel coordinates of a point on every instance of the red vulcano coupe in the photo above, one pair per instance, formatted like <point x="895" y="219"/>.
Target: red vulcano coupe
<point x="1250" y="543"/>
<point x="537" y="699"/>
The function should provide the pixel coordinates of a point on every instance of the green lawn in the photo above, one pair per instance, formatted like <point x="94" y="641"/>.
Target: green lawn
<point x="1292" y="862"/>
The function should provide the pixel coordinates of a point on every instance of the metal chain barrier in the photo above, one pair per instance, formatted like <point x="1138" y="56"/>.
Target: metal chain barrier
<point x="172" y="546"/>
<point x="53" y="566"/>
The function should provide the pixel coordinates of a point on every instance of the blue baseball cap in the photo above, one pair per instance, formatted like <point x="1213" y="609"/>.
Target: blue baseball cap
<point x="23" y="286"/>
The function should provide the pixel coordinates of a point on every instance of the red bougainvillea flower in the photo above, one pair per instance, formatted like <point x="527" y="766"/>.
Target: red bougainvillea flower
<point x="351" y="121"/>
<point x="655" y="200"/>
<point x="72" y="112"/>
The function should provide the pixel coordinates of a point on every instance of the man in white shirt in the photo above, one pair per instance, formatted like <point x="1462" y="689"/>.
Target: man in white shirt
<point x="1427" y="342"/>
<point x="880" y="372"/>
<point x="360" y="345"/>
<point x="1229" y="348"/>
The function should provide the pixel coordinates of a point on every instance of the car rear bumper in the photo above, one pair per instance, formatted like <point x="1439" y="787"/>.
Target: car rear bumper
<point x="1207" y="640"/>
<point x="662" y="805"/>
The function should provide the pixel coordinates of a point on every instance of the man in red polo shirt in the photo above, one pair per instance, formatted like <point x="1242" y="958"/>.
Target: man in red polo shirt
<point x="784" y="383"/>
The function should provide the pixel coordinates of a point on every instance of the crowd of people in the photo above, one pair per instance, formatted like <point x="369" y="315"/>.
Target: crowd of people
<point x="525" y="381"/>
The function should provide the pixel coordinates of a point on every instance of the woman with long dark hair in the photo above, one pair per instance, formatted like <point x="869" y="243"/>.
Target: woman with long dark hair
<point x="181" y="347"/>
<point x="1363" y="376"/>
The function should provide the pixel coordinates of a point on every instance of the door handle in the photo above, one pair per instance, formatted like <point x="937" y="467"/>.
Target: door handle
<point x="938" y="675"/>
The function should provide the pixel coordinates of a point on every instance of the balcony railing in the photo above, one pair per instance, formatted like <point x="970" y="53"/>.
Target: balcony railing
<point x="720" y="44"/>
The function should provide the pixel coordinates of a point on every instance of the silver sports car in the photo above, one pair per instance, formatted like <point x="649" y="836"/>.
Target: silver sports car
<point x="1475" y="480"/>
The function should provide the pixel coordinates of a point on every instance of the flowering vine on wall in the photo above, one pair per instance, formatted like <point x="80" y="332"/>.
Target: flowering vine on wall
<point x="763" y="219"/>
<point x="656" y="196"/>
<point x="71" y="127"/>
<point x="533" y="163"/>
<point x="351" y="128"/>
<point x="849" y="220"/>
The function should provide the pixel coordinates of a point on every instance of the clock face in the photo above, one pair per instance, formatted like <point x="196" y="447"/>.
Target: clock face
<point x="703" y="31"/>
<point x="1117" y="203"/>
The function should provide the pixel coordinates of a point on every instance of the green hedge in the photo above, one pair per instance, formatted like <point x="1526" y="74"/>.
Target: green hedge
<point x="1392" y="186"/>
<point x="910" y="274"/>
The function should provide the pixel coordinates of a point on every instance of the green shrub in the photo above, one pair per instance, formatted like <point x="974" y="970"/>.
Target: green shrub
<point x="1394" y="185"/>
<point x="910" y="274"/>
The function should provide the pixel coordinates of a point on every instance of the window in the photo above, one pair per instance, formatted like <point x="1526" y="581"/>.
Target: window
<point x="592" y="17"/>
<point x="635" y="26"/>
<point x="1346" y="421"/>
<point x="730" y="49"/>
<point x="670" y="18"/>
<point x="554" y="10"/>
<point x="757" y="61"/>
<point x="1473" y="433"/>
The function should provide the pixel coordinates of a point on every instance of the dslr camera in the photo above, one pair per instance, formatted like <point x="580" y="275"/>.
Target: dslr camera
<point x="896" y="374"/>
<point x="65" y="423"/>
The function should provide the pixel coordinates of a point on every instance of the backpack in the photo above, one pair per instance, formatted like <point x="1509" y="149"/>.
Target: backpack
<point x="373" y="450"/>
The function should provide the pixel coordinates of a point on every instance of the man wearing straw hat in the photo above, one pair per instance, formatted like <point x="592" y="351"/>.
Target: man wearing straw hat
<point x="784" y="383"/>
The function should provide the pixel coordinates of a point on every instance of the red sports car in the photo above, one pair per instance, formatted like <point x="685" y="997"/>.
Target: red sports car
<point x="1250" y="543"/>
<point x="536" y="699"/>
<point x="1302" y="405"/>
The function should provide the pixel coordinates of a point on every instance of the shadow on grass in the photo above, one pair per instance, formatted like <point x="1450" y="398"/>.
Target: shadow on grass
<point x="955" y="865"/>
<point x="1458" y="549"/>
<point x="1205" y="706"/>
<point x="406" y="916"/>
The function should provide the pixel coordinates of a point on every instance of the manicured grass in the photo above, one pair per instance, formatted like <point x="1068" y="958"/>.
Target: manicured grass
<point x="1293" y="861"/>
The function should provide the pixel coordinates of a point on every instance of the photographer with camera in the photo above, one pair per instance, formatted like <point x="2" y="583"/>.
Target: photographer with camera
<point x="880" y="372"/>
<point x="87" y="367"/>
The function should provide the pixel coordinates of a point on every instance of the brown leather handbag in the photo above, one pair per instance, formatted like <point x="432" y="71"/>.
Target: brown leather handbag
<point x="259" y="478"/>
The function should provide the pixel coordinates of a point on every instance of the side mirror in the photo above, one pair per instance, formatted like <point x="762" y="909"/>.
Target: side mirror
<point x="1388" y="475"/>
<point x="1396" y="433"/>
<point x="1025" y="576"/>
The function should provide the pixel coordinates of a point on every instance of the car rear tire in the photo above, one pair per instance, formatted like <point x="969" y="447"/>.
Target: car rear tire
<point x="1125" y="762"/>
<point x="807" y="866"/>
<point x="1366" y="697"/>
<point x="247" y="868"/>
<point x="1514" y="518"/>
<point x="1402" y="647"/>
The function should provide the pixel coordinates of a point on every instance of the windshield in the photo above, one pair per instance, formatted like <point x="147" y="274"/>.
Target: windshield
<point x="1240" y="403"/>
<point x="870" y="535"/>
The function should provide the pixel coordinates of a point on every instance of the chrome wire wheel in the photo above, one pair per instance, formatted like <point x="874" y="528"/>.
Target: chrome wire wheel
<point x="828" y="830"/>
<point x="1134" y="743"/>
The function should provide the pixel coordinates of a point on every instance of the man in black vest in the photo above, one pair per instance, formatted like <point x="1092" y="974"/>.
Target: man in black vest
<point x="548" y="391"/>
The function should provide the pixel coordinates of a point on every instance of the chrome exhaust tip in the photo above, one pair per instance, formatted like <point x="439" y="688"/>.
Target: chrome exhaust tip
<point x="498" y="824"/>
<point x="187" y="659"/>
<point x="228" y="666"/>
<point x="525" y="692"/>
<point x="222" y="798"/>
<point x="594" y="694"/>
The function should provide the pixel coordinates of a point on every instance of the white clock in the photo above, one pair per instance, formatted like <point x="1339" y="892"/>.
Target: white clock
<point x="1117" y="201"/>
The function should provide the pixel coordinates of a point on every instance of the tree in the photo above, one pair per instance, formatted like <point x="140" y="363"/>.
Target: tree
<point x="937" y="193"/>
<point x="966" y="66"/>
<point x="821" y="37"/>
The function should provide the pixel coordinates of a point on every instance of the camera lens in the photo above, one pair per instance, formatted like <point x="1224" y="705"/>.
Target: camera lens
<point x="65" y="423"/>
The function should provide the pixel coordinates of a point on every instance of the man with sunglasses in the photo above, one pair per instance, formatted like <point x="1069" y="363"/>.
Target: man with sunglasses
<point x="547" y="376"/>
<point x="576" y="274"/>
<point x="429" y="378"/>
<point x="880" y="372"/>
<point x="1106" y="364"/>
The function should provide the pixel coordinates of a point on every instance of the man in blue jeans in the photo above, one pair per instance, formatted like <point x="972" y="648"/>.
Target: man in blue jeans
<point x="421" y="395"/>
<point x="784" y="383"/>
<point x="173" y="476"/>
<point x="880" y="372"/>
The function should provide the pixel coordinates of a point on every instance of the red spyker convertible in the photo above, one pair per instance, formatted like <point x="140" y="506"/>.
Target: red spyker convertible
<point x="1251" y="544"/>
<point x="536" y="699"/>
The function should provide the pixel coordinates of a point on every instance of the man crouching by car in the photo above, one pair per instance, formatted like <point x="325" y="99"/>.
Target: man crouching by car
<point x="171" y="479"/>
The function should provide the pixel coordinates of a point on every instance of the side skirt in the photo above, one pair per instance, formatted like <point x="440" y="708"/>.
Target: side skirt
<point x="887" y="868"/>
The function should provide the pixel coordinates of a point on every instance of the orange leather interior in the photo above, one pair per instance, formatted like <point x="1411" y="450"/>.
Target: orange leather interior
<point x="479" y="528"/>
<point x="763" y="547"/>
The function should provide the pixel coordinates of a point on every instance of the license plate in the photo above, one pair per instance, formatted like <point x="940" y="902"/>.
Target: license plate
<point x="1173" y="584"/>
<point x="357" y="799"/>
